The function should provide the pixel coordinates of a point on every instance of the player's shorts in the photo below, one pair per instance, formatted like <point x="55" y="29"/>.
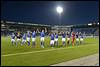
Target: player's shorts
<point x="77" y="39"/>
<point x="73" y="39"/>
<point x="56" y="39"/>
<point x="42" y="38"/>
<point x="23" y="40"/>
<point x="33" y="39"/>
<point x="18" y="39"/>
<point x="63" y="39"/>
<point x="28" y="39"/>
<point x="52" y="42"/>
<point x="81" y="39"/>
<point x="12" y="40"/>
<point x="68" y="39"/>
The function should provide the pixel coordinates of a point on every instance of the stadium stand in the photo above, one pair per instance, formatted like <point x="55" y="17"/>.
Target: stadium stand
<point x="8" y="27"/>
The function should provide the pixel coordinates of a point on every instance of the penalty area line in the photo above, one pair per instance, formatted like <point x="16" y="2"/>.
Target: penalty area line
<point x="33" y="52"/>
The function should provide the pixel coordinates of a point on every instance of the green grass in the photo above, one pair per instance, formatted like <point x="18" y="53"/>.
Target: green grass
<point x="90" y="46"/>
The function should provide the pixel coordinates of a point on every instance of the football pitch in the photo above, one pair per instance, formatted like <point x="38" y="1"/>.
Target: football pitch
<point x="12" y="55"/>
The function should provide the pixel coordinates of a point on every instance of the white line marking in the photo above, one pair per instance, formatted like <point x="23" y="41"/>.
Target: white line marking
<point x="33" y="52"/>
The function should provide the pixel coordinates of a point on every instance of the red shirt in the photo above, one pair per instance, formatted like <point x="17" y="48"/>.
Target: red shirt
<point x="73" y="35"/>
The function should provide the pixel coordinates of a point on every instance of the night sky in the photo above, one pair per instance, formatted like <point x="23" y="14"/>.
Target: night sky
<point x="44" y="12"/>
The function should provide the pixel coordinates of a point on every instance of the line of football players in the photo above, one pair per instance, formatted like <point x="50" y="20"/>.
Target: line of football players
<point x="71" y="38"/>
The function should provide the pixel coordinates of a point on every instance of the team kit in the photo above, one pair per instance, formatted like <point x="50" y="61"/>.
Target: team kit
<point x="75" y="38"/>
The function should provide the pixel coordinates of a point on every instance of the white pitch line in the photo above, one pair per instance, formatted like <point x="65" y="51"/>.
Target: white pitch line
<point x="32" y="52"/>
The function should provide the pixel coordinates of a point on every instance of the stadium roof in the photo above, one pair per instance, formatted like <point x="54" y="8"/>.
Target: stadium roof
<point x="26" y="23"/>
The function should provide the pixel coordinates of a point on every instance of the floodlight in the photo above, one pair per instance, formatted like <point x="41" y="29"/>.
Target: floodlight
<point x="59" y="9"/>
<point x="90" y="24"/>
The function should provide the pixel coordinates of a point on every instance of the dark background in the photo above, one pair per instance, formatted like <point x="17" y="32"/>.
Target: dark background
<point x="44" y="12"/>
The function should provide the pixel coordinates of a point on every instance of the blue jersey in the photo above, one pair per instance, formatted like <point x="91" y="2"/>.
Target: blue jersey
<point x="63" y="35"/>
<point x="52" y="37"/>
<point x="33" y="35"/>
<point x="24" y="37"/>
<point x="42" y="34"/>
<point x="76" y="35"/>
<point x="81" y="36"/>
<point x="28" y="35"/>
<point x="56" y="35"/>
<point x="68" y="35"/>
<point x="13" y="36"/>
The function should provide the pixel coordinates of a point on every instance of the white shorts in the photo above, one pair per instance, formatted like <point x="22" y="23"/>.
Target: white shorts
<point x="56" y="39"/>
<point x="77" y="39"/>
<point x="68" y="39"/>
<point x="63" y="39"/>
<point x="52" y="42"/>
<point x="18" y="39"/>
<point x="42" y="38"/>
<point x="28" y="39"/>
<point x="12" y="40"/>
<point x="33" y="39"/>
<point x="23" y="40"/>
<point x="81" y="39"/>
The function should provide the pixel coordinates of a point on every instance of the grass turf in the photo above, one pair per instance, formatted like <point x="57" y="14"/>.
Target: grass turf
<point x="90" y="46"/>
